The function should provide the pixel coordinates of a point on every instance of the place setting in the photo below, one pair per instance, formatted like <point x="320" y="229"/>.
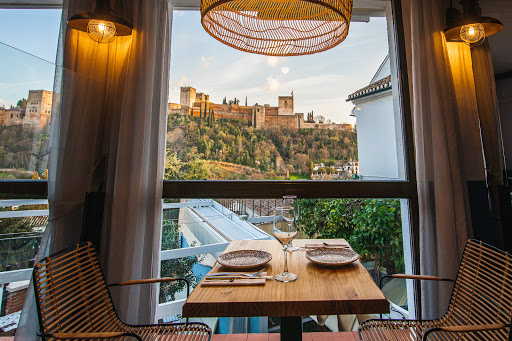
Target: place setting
<point x="240" y="260"/>
<point x="284" y="228"/>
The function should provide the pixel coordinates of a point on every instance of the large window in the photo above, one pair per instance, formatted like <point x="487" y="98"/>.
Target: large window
<point x="240" y="116"/>
<point x="247" y="126"/>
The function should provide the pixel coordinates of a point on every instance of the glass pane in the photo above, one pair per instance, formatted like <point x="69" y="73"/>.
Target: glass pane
<point x="373" y="228"/>
<point x="28" y="46"/>
<point x="238" y="116"/>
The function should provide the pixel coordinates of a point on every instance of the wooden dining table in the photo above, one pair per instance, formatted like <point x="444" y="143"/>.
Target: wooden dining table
<point x="319" y="290"/>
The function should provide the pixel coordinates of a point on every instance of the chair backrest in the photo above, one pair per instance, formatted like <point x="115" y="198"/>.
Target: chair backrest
<point x="482" y="293"/>
<point x="71" y="293"/>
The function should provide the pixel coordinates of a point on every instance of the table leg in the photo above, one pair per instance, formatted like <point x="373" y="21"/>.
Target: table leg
<point x="291" y="328"/>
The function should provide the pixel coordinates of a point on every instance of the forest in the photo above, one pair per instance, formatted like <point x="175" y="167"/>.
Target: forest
<point x="200" y="147"/>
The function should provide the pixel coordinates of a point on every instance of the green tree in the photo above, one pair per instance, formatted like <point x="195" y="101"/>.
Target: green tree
<point x="173" y="167"/>
<point x="371" y="226"/>
<point x="178" y="267"/>
<point x="198" y="170"/>
<point x="379" y="233"/>
<point x="22" y="103"/>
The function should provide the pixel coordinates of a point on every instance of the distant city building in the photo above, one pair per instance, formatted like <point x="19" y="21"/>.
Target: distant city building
<point x="37" y="113"/>
<point x="378" y="140"/>
<point x="259" y="116"/>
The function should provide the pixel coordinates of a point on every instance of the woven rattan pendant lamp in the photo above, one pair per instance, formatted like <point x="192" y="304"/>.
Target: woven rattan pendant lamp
<point x="277" y="27"/>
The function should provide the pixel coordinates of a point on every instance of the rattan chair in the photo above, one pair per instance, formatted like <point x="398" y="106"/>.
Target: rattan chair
<point x="74" y="302"/>
<point x="480" y="307"/>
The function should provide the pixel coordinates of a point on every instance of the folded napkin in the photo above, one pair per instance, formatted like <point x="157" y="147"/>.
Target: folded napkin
<point x="234" y="282"/>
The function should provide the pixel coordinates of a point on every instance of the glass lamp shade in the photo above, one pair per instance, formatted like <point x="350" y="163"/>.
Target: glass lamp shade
<point x="101" y="31"/>
<point x="490" y="25"/>
<point x="101" y="26"/>
<point x="472" y="34"/>
<point x="277" y="27"/>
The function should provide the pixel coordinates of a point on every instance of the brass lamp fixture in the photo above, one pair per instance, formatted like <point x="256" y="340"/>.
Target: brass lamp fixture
<point x="277" y="27"/>
<point x="101" y="25"/>
<point x="470" y="26"/>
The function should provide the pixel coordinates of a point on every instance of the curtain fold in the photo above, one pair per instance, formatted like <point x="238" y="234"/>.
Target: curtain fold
<point x="135" y="179"/>
<point x="108" y="134"/>
<point x="443" y="203"/>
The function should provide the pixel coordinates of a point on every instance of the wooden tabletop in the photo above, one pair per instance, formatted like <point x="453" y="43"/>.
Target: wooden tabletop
<point x="318" y="290"/>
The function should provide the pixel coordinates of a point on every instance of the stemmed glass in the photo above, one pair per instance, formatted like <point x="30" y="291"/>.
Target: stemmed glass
<point x="291" y="200"/>
<point x="285" y="230"/>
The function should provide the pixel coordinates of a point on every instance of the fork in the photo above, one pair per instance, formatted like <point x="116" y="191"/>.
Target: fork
<point x="254" y="274"/>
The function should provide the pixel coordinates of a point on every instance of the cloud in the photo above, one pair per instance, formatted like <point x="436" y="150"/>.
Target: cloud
<point x="4" y="103"/>
<point x="273" y="84"/>
<point x="205" y="62"/>
<point x="182" y="81"/>
<point x="179" y="13"/>
<point x="285" y="69"/>
<point x="272" y="61"/>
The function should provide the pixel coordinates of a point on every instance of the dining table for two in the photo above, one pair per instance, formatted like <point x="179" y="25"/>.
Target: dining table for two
<point x="319" y="289"/>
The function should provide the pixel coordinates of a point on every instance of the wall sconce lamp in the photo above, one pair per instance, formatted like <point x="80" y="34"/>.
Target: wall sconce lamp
<point x="469" y="27"/>
<point x="101" y="24"/>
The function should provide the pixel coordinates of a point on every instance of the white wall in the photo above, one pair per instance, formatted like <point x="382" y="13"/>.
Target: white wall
<point x="376" y="137"/>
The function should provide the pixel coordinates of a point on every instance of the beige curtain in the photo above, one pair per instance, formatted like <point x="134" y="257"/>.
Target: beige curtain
<point x="108" y="134"/>
<point x="439" y="157"/>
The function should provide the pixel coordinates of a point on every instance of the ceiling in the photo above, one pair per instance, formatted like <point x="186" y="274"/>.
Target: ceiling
<point x="501" y="42"/>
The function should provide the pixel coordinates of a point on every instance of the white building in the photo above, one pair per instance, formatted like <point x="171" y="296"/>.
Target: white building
<point x="376" y="127"/>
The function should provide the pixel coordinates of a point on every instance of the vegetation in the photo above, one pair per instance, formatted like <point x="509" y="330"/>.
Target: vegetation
<point x="22" y="103"/>
<point x="15" y="146"/>
<point x="18" y="144"/>
<point x="179" y="267"/>
<point x="371" y="226"/>
<point x="18" y="242"/>
<point x="269" y="152"/>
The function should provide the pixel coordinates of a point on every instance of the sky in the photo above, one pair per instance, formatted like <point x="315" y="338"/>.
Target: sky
<point x="320" y="82"/>
<point x="33" y="32"/>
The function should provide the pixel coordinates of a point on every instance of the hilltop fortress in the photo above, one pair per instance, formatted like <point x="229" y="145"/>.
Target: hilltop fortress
<point x="36" y="114"/>
<point x="194" y="103"/>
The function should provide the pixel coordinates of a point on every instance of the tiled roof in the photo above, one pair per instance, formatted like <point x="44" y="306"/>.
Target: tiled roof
<point x="36" y="221"/>
<point x="378" y="86"/>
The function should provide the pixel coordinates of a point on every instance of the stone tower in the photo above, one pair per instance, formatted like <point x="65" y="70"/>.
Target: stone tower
<point x="258" y="116"/>
<point x="39" y="108"/>
<point x="285" y="105"/>
<point x="187" y="96"/>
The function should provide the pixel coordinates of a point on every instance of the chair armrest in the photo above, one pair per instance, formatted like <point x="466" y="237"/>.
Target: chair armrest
<point x="152" y="280"/>
<point x="416" y="277"/>
<point x="466" y="329"/>
<point x="99" y="335"/>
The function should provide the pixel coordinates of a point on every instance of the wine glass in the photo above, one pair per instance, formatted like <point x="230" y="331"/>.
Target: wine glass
<point x="291" y="200"/>
<point x="285" y="230"/>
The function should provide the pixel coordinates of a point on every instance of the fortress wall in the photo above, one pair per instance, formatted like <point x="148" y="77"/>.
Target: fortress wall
<point x="271" y="111"/>
<point x="236" y="116"/>
<point x="288" y="121"/>
<point x="173" y="106"/>
<point x="332" y="126"/>
<point x="240" y="109"/>
<point x="219" y="107"/>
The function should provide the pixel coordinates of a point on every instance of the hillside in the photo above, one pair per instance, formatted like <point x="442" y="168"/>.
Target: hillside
<point x="199" y="148"/>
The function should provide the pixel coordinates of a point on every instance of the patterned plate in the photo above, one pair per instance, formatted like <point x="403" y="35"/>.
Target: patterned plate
<point x="332" y="256"/>
<point x="244" y="258"/>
